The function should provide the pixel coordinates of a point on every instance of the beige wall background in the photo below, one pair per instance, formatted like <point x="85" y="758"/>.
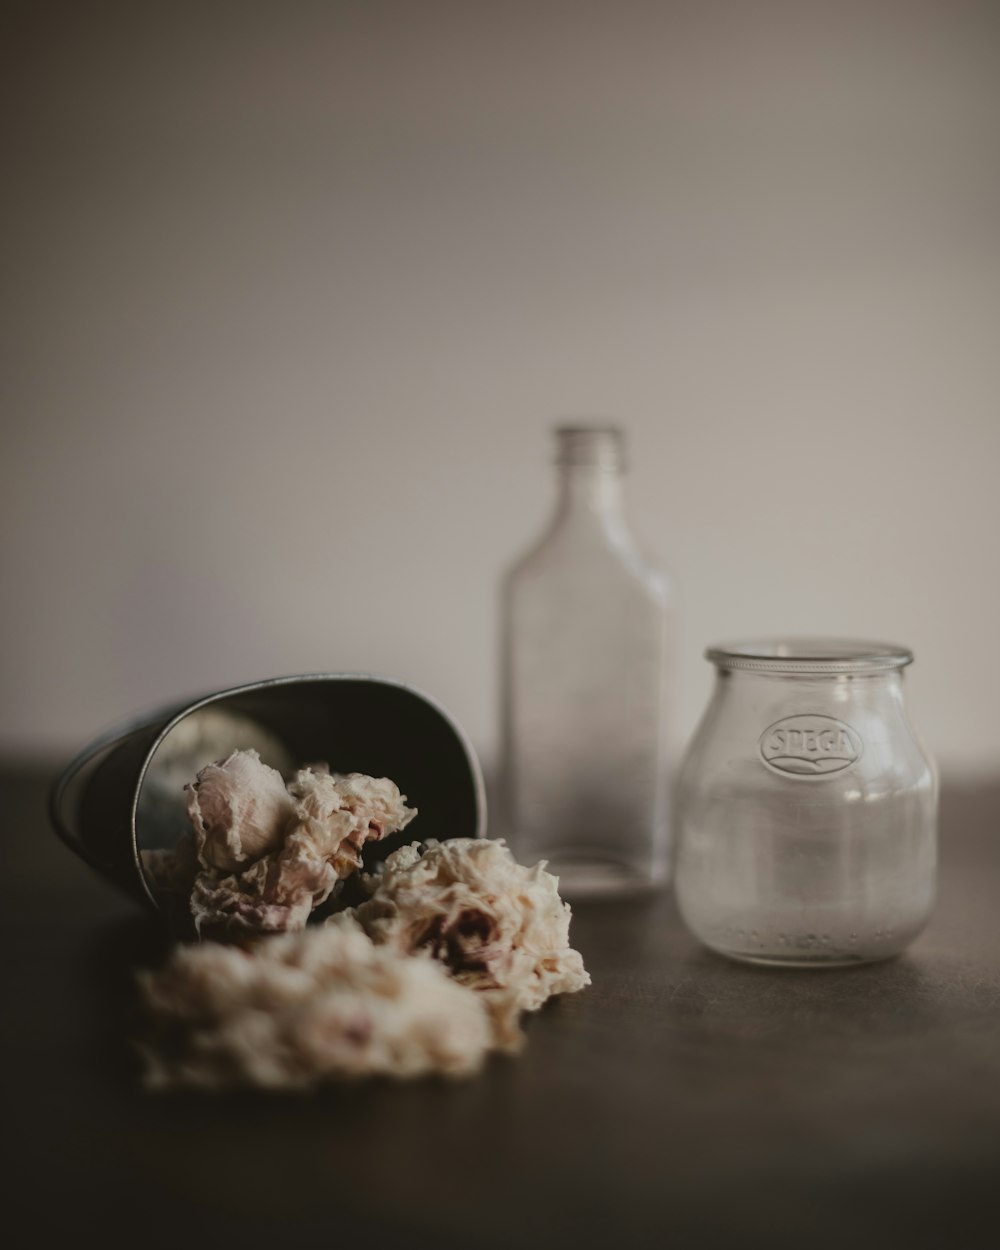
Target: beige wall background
<point x="291" y="294"/>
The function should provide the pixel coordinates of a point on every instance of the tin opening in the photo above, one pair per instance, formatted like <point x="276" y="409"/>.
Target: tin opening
<point x="809" y="655"/>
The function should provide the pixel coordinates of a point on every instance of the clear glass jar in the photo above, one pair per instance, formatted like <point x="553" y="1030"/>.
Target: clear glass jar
<point x="807" y="807"/>
<point x="584" y="762"/>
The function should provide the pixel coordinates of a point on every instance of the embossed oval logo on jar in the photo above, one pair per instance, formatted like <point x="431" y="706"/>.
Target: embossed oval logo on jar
<point x="810" y="746"/>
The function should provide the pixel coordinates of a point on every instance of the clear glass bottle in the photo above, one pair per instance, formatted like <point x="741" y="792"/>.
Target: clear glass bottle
<point x="584" y="758"/>
<point x="806" y="807"/>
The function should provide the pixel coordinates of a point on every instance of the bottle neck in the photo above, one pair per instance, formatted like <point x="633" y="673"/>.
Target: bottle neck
<point x="590" y="493"/>
<point x="590" y="460"/>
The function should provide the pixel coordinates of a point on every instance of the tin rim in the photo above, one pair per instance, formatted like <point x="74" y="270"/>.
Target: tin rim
<point x="809" y="655"/>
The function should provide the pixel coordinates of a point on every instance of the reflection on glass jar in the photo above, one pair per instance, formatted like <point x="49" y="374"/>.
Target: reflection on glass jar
<point x="807" y="807"/>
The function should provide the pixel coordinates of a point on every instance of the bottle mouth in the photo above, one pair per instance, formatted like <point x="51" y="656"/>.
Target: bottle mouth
<point x="602" y="446"/>
<point x="809" y="655"/>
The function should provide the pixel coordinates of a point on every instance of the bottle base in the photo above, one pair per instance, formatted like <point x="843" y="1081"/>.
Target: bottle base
<point x="591" y="877"/>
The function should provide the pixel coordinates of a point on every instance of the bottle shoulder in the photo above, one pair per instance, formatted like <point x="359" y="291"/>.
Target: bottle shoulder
<point x="562" y="557"/>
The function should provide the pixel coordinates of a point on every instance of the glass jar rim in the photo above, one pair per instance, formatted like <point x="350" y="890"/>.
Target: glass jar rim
<point x="809" y="655"/>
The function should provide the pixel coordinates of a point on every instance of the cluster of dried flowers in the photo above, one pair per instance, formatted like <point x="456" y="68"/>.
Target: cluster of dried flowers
<point x="430" y="974"/>
<point x="263" y="855"/>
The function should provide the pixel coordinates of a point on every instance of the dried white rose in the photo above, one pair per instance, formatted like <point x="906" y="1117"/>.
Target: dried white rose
<point x="239" y="810"/>
<point x="306" y="1007"/>
<point x="499" y="927"/>
<point x="332" y="817"/>
<point x="210" y="733"/>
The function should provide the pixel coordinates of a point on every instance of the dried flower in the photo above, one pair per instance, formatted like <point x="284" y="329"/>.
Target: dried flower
<point x="239" y="810"/>
<point x="499" y="927"/>
<point x="306" y="1007"/>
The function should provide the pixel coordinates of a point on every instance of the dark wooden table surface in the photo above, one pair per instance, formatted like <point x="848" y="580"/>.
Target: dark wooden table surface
<point x="681" y="1101"/>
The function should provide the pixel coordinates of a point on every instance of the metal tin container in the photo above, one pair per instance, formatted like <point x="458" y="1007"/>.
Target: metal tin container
<point x="123" y="794"/>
